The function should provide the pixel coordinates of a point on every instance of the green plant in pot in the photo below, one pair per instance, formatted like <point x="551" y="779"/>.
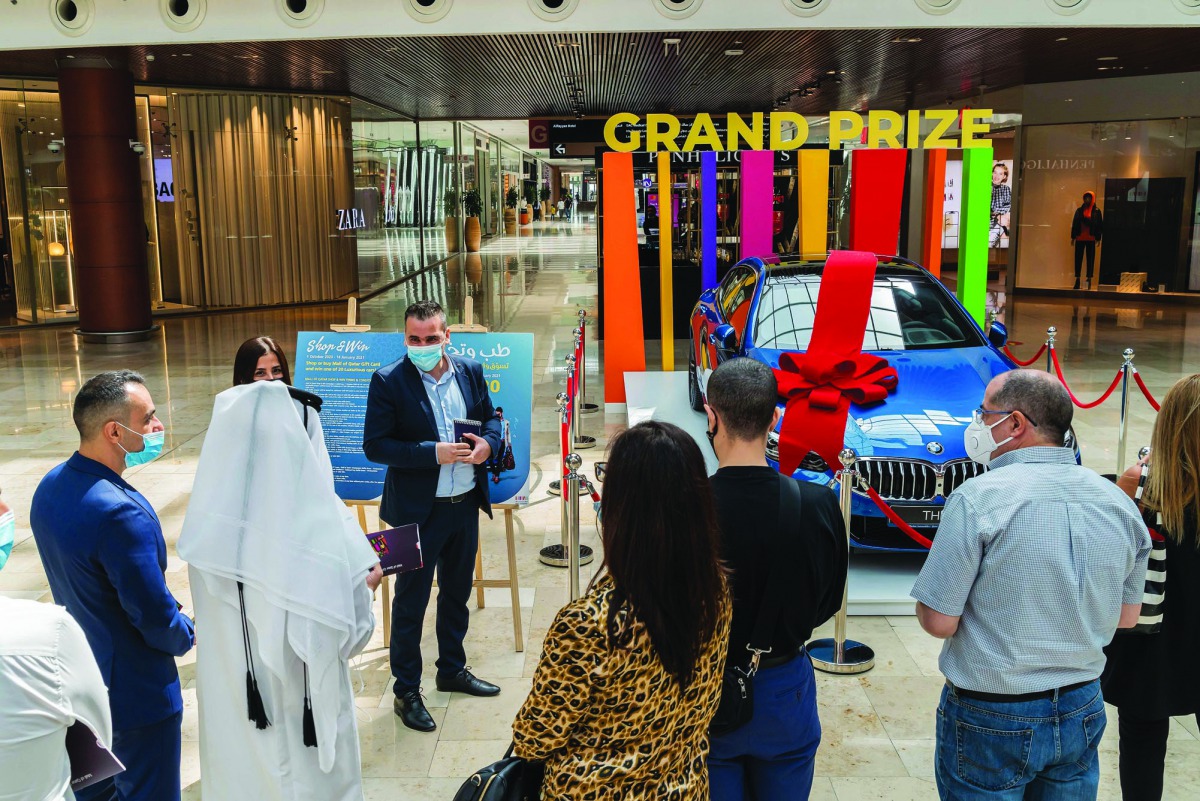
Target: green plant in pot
<point x="511" y="198"/>
<point x="473" y="206"/>
<point x="450" y="210"/>
<point x="544" y="196"/>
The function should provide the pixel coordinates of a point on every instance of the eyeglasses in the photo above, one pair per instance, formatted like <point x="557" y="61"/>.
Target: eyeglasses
<point x="978" y="415"/>
<point x="601" y="468"/>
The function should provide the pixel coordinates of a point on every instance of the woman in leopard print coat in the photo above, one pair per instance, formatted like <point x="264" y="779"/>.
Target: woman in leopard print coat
<point x="630" y="674"/>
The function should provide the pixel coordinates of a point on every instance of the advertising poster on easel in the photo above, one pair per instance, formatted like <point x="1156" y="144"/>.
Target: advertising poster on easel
<point x="338" y="367"/>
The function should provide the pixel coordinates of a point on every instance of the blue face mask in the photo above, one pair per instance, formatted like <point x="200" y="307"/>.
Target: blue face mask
<point x="8" y="530"/>
<point x="153" y="445"/>
<point x="425" y="357"/>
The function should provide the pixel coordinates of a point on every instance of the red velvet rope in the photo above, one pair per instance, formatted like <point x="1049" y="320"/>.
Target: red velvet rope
<point x="912" y="533"/>
<point x="1107" y="393"/>
<point x="1142" y="386"/>
<point x="1036" y="356"/>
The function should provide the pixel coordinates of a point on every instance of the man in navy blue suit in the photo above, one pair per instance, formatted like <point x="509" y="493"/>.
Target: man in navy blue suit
<point x="104" y="554"/>
<point x="440" y="485"/>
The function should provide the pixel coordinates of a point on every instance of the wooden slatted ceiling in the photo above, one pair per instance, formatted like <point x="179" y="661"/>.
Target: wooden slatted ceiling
<point x="516" y="76"/>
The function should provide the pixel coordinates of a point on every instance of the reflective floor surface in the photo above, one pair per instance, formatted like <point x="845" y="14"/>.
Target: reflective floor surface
<point x="878" y="728"/>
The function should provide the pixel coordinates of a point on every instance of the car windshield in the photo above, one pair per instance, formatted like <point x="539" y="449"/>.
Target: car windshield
<point x="907" y="313"/>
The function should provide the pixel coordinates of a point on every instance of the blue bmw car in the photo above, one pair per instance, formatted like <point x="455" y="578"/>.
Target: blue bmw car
<point x="910" y="447"/>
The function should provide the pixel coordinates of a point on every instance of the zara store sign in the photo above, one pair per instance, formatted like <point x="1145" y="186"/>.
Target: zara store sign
<point x="351" y="219"/>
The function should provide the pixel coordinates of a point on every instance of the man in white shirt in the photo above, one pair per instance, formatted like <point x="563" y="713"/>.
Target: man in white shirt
<point x="48" y="682"/>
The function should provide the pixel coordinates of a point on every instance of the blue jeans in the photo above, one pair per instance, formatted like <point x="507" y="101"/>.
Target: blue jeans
<point x="1043" y="750"/>
<point x="771" y="757"/>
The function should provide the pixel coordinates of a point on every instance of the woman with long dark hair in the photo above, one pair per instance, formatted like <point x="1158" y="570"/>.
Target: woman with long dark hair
<point x="630" y="673"/>
<point x="262" y="359"/>
<point x="1150" y="675"/>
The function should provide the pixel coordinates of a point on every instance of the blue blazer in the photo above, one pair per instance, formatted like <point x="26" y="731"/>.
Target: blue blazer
<point x="400" y="431"/>
<point x="103" y="550"/>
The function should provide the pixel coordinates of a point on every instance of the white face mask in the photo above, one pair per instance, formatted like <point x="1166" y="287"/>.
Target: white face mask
<point x="978" y="439"/>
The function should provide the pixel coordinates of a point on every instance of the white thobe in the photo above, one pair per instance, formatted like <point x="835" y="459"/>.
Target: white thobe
<point x="272" y="764"/>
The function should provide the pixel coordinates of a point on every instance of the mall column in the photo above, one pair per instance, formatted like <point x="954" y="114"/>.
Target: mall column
<point x="108" y="228"/>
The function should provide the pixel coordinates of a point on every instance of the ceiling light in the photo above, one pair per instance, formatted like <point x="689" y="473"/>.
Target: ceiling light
<point x="906" y="40"/>
<point x="1108" y="58"/>
<point x="831" y="72"/>
<point x="1061" y="39"/>
<point x="735" y="52"/>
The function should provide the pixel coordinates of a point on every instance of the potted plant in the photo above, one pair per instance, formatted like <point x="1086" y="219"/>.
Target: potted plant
<point x="544" y="196"/>
<point x="450" y="209"/>
<point x="473" y="206"/>
<point x="510" y="211"/>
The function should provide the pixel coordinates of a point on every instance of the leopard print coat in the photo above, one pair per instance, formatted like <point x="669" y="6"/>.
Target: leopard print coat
<point x="613" y="724"/>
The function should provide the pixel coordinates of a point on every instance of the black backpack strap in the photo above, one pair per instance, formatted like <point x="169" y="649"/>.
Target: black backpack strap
<point x="773" y="598"/>
<point x="307" y="400"/>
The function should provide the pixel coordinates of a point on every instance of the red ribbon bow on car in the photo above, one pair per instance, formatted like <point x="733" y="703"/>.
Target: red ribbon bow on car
<point x="820" y="384"/>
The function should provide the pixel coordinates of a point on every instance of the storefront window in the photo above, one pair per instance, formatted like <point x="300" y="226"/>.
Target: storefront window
<point x="1143" y="175"/>
<point x="387" y="187"/>
<point x="442" y="206"/>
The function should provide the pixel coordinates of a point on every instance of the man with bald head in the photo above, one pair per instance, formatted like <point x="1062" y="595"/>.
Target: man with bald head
<point x="1035" y="565"/>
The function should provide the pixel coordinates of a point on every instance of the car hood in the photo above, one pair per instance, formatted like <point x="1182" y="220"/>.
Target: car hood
<point x="925" y="416"/>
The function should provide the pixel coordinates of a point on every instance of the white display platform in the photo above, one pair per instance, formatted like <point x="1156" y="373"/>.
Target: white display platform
<point x="879" y="582"/>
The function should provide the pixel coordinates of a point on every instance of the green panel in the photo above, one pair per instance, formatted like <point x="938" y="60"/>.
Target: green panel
<point x="975" y="220"/>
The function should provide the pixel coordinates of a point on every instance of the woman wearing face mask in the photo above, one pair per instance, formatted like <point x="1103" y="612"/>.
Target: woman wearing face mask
<point x="49" y="681"/>
<point x="262" y="359"/>
<point x="1150" y="672"/>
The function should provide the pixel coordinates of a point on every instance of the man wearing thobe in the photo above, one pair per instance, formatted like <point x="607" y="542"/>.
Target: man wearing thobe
<point x="281" y="579"/>
<point x="440" y="485"/>
<point x="104" y="554"/>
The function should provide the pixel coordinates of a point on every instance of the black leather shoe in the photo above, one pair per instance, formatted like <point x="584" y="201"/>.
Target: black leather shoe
<point x="410" y="708"/>
<point x="465" y="682"/>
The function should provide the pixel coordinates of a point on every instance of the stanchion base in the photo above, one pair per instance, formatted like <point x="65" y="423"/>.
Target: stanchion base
<point x="856" y="657"/>
<point x="555" y="488"/>
<point x="556" y="556"/>
<point x="583" y="442"/>
<point x="588" y="408"/>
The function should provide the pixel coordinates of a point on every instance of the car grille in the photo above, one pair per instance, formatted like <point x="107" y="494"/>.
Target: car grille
<point x="913" y="480"/>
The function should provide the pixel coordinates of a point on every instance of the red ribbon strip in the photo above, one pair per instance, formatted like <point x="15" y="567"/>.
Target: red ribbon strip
<point x="1142" y="386"/>
<point x="820" y="384"/>
<point x="1036" y="356"/>
<point x="1107" y="393"/>
<point x="890" y="513"/>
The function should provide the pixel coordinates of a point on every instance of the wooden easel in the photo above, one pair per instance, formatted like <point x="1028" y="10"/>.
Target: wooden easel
<point x="480" y="583"/>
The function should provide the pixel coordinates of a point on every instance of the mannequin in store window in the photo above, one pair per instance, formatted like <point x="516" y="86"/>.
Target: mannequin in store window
<point x="1001" y="204"/>
<point x="1087" y="229"/>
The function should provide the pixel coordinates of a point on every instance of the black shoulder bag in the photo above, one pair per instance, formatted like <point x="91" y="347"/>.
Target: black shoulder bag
<point x="736" y="707"/>
<point x="510" y="779"/>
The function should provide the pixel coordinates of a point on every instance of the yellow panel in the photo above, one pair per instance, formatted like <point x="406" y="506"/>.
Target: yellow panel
<point x="665" y="265"/>
<point x="814" y="202"/>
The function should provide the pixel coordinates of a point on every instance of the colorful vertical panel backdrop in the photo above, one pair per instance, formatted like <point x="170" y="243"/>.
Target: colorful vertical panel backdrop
<point x="757" y="202"/>
<point x="624" y="339"/>
<point x="975" y="223"/>
<point x="876" y="199"/>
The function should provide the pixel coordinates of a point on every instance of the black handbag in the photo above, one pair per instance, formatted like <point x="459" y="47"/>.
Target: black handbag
<point x="511" y="779"/>
<point x="736" y="707"/>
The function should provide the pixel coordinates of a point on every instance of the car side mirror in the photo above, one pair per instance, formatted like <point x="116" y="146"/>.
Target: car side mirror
<point x="725" y="338"/>
<point x="998" y="335"/>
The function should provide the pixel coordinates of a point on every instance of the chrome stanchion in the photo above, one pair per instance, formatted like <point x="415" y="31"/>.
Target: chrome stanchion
<point x="584" y="406"/>
<point x="1050" y="334"/>
<point x="581" y="441"/>
<point x="574" y="555"/>
<point x="1123" y="435"/>
<point x="839" y="655"/>
<point x="559" y="555"/>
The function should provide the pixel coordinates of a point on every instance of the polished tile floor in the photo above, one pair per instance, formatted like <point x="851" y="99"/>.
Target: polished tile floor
<point x="878" y="728"/>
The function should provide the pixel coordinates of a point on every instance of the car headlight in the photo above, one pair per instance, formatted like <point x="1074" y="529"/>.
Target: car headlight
<point x="811" y="462"/>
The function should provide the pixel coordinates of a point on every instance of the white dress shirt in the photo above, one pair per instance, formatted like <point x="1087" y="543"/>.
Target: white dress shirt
<point x="448" y="404"/>
<point x="48" y="681"/>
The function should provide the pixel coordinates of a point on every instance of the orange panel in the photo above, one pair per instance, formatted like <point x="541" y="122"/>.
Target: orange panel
<point x="624" y="340"/>
<point x="935" y="196"/>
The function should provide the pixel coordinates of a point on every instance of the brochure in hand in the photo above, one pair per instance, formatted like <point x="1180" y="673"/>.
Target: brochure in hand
<point x="467" y="427"/>
<point x="91" y="762"/>
<point x="399" y="549"/>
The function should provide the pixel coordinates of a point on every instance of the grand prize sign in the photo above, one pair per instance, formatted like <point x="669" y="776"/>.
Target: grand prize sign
<point x="787" y="130"/>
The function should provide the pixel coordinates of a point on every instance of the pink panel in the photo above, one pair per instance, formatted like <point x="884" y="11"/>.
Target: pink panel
<point x="758" y="192"/>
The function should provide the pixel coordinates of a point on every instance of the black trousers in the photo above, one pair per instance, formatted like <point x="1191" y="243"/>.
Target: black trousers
<point x="1143" y="756"/>
<point x="449" y="539"/>
<point x="1083" y="248"/>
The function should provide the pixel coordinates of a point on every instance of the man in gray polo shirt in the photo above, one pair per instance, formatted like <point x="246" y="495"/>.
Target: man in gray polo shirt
<point x="1035" y="565"/>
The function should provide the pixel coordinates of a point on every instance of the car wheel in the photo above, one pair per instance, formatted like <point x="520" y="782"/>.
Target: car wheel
<point x="694" y="396"/>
